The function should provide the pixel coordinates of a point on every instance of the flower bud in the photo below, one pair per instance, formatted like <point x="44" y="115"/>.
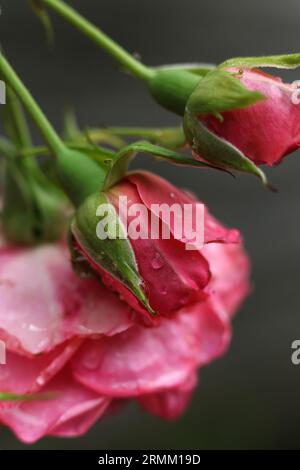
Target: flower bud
<point x="265" y="131"/>
<point x="155" y="274"/>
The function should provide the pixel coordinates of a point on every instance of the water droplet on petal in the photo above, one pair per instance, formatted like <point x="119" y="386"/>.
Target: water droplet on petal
<point x="40" y="380"/>
<point x="92" y="360"/>
<point x="163" y="290"/>
<point x="157" y="262"/>
<point x="184" y="299"/>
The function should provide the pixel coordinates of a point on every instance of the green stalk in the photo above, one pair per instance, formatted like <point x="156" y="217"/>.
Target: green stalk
<point x="48" y="132"/>
<point x="6" y="148"/>
<point x="18" y="119"/>
<point x="101" y="39"/>
<point x="80" y="175"/>
<point x="170" y="87"/>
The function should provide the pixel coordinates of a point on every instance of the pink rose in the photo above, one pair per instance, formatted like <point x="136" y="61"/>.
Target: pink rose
<point x="266" y="131"/>
<point x="171" y="276"/>
<point x="74" y="337"/>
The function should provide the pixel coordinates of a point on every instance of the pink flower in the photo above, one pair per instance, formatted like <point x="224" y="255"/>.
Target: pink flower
<point x="266" y="131"/>
<point x="171" y="276"/>
<point x="76" y="338"/>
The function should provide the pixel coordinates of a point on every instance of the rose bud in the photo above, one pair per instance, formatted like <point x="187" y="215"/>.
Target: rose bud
<point x="155" y="274"/>
<point x="266" y="131"/>
<point x="77" y="343"/>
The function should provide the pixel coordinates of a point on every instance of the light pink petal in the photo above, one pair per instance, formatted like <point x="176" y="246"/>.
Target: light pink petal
<point x="215" y="331"/>
<point x="143" y="360"/>
<point x="43" y="303"/>
<point x="22" y="375"/>
<point x="229" y="283"/>
<point x="138" y="361"/>
<point x="170" y="404"/>
<point x="73" y="410"/>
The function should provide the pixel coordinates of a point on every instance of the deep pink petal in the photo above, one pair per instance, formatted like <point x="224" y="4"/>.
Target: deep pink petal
<point x="172" y="275"/>
<point x="268" y="130"/>
<point x="153" y="189"/>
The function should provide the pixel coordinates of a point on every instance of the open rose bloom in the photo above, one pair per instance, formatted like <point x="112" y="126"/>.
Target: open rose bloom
<point x="78" y="339"/>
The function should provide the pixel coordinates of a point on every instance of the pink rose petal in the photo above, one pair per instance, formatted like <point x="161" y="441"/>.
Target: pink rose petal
<point x="43" y="303"/>
<point x="143" y="360"/>
<point x="70" y="413"/>
<point x="172" y="403"/>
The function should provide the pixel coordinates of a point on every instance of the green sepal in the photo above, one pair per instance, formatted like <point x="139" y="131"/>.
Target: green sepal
<point x="34" y="210"/>
<point x="17" y="216"/>
<point x="284" y="61"/>
<point x="220" y="91"/>
<point x="218" y="151"/>
<point x="43" y="16"/>
<point x="161" y="153"/>
<point x="115" y="165"/>
<point x="73" y="134"/>
<point x="115" y="255"/>
<point x="71" y="128"/>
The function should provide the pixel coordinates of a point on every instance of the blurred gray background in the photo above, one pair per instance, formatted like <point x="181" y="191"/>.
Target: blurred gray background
<point x="249" y="398"/>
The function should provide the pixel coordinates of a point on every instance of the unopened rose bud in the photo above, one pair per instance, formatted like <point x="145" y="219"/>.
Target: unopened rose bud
<point x="155" y="274"/>
<point x="265" y="131"/>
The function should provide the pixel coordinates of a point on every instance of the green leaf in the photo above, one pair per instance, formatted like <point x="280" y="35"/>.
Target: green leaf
<point x="217" y="150"/>
<point x="220" y="91"/>
<point x="170" y="137"/>
<point x="285" y="61"/>
<point x="6" y="396"/>
<point x="114" y="254"/>
<point x="40" y="10"/>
